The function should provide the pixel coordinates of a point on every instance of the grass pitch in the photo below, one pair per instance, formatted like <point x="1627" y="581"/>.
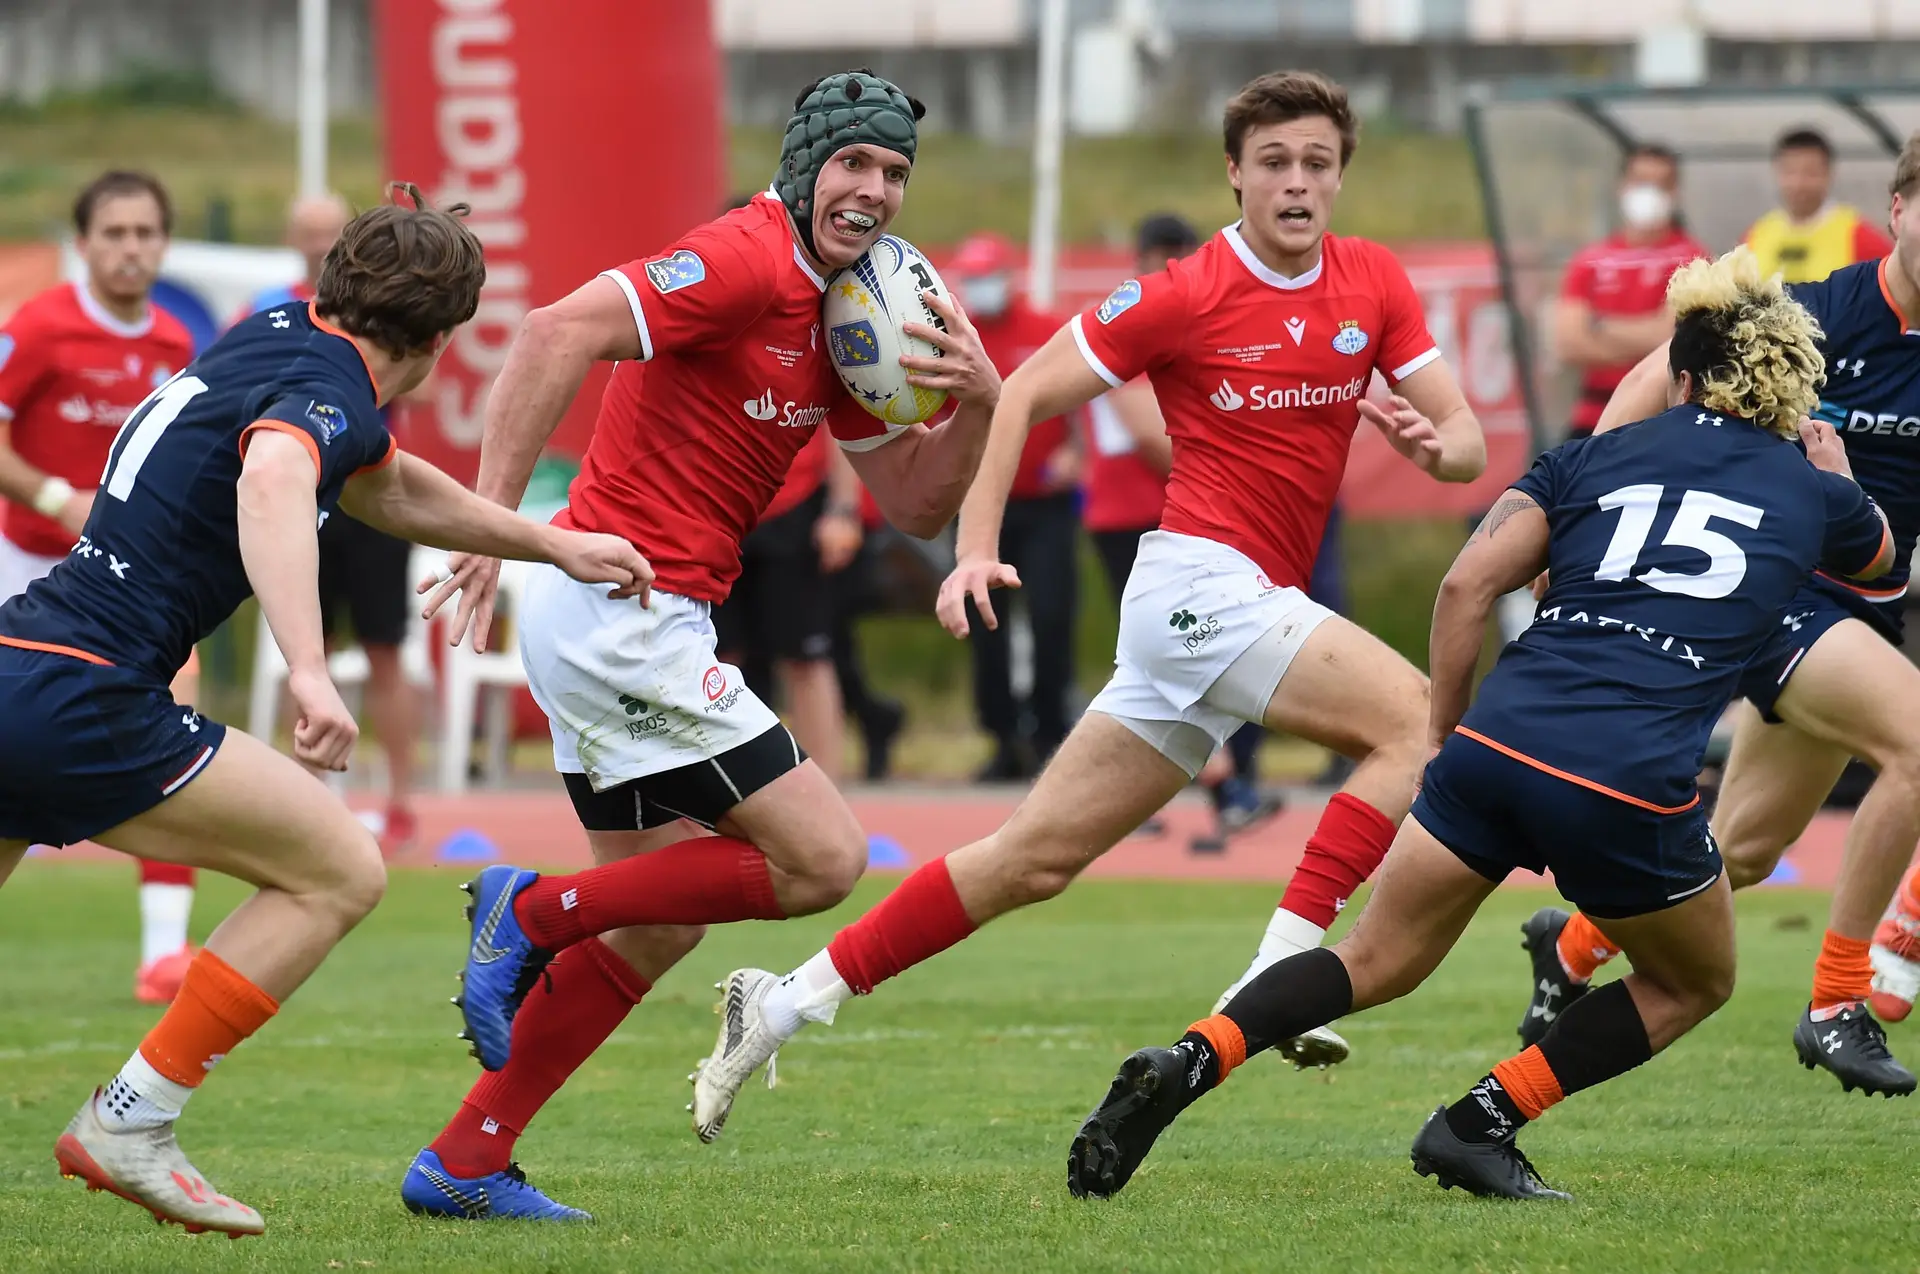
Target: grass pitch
<point x="928" y="1130"/>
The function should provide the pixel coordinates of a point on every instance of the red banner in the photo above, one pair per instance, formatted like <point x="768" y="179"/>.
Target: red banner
<point x="582" y="139"/>
<point x="1458" y="285"/>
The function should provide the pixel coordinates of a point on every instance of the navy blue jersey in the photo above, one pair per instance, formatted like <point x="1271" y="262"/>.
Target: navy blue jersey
<point x="1674" y="546"/>
<point x="158" y="566"/>
<point x="1872" y="399"/>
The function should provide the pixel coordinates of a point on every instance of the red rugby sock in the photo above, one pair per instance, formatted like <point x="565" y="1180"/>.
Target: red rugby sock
<point x="705" y="880"/>
<point x="561" y="1024"/>
<point x="152" y="873"/>
<point x="1343" y="851"/>
<point x="916" y="922"/>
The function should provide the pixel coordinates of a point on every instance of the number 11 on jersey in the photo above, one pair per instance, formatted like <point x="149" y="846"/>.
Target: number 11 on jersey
<point x="142" y="431"/>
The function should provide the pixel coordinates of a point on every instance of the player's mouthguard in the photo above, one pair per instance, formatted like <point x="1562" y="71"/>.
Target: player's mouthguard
<point x="859" y="222"/>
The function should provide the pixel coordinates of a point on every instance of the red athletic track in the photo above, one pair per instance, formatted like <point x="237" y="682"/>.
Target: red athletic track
<point x="537" y="828"/>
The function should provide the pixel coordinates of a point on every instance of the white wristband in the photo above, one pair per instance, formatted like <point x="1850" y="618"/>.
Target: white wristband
<point x="52" y="497"/>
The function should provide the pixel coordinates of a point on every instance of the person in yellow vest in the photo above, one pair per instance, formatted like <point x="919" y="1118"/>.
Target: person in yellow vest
<point x="1808" y="237"/>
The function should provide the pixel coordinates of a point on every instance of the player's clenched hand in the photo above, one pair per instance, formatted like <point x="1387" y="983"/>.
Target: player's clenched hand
<point x="974" y="577"/>
<point x="324" y="731"/>
<point x="963" y="370"/>
<point x="1412" y="434"/>
<point x="1824" y="447"/>
<point x="838" y="536"/>
<point x="603" y="559"/>
<point x="476" y="579"/>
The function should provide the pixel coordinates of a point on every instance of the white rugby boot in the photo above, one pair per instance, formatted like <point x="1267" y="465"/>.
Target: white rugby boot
<point x="745" y="1043"/>
<point x="146" y="1166"/>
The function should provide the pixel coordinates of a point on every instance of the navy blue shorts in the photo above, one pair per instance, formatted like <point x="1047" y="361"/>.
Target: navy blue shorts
<point x="1608" y="856"/>
<point x="85" y="747"/>
<point x="1816" y="608"/>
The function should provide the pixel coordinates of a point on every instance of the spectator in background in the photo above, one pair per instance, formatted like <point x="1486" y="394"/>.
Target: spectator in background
<point x="1807" y="238"/>
<point x="778" y="622"/>
<point x="1612" y="310"/>
<point x="74" y="363"/>
<point x="1039" y="538"/>
<point x="363" y="572"/>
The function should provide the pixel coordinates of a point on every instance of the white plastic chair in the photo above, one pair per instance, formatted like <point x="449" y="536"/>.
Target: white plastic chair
<point x="466" y="675"/>
<point x="348" y="667"/>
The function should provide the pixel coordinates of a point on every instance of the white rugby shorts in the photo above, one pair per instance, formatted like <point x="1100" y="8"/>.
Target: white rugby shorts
<point x="1193" y="608"/>
<point x="630" y="691"/>
<point x="19" y="568"/>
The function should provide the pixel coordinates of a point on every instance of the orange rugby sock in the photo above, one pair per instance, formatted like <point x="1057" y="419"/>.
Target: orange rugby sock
<point x="1583" y="948"/>
<point x="1842" y="974"/>
<point x="1530" y="1082"/>
<point x="1229" y="1043"/>
<point x="216" y="1008"/>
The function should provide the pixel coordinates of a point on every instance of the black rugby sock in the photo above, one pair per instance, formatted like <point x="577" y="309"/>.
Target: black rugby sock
<point x="1597" y="1037"/>
<point x="1295" y="995"/>
<point x="1486" y="1114"/>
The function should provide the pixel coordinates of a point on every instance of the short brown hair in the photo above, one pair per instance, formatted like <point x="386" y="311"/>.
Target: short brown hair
<point x="1281" y="96"/>
<point x="116" y="185"/>
<point x="401" y="276"/>
<point x="1906" y="170"/>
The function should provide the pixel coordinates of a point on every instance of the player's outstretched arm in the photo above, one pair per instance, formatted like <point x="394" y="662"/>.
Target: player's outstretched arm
<point x="549" y="357"/>
<point x="1054" y="381"/>
<point x="412" y="500"/>
<point x="277" y="520"/>
<point x="1428" y="421"/>
<point x="1508" y="549"/>
<point x="920" y="476"/>
<point x="1643" y="394"/>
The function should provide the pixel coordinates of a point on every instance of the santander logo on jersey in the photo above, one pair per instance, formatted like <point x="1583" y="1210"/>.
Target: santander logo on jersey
<point x="791" y="415"/>
<point x="1280" y="397"/>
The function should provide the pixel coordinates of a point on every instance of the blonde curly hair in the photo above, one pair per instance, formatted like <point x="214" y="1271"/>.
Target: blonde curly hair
<point x="1750" y="348"/>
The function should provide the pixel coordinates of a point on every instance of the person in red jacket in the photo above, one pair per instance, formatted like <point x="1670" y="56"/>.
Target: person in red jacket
<point x="1040" y="537"/>
<point x="74" y="363"/>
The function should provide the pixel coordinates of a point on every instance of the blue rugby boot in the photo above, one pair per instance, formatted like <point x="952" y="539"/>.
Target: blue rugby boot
<point x="502" y="963"/>
<point x="430" y="1190"/>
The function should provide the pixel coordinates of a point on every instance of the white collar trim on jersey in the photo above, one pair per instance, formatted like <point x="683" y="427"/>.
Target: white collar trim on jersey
<point x="101" y="315"/>
<point x="799" y="257"/>
<point x="1271" y="277"/>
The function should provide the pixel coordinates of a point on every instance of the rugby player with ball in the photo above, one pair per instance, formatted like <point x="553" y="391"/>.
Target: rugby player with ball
<point x="698" y="805"/>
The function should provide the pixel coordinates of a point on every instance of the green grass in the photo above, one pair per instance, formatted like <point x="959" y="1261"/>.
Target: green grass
<point x="928" y="1129"/>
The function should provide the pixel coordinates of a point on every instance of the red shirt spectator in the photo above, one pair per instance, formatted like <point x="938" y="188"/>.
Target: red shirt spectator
<point x="1012" y="332"/>
<point x="1612" y="310"/>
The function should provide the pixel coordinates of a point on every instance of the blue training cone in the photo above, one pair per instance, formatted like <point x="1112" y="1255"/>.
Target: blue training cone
<point x="1784" y="874"/>
<point x="884" y="852"/>
<point x="467" y="846"/>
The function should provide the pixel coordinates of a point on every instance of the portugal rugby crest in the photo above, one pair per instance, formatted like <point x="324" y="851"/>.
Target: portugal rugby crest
<point x="1350" y="339"/>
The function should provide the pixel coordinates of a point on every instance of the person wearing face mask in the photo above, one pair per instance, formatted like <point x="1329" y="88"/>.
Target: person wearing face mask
<point x="1041" y="533"/>
<point x="1808" y="236"/>
<point x="1612" y="309"/>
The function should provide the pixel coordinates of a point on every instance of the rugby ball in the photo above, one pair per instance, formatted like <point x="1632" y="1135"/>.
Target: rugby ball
<point x="865" y="306"/>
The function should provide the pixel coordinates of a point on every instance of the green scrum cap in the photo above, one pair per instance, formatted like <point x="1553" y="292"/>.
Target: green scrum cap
<point x="847" y="109"/>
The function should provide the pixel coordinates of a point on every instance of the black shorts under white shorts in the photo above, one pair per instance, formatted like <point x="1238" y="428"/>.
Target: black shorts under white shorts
<point x="701" y="792"/>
